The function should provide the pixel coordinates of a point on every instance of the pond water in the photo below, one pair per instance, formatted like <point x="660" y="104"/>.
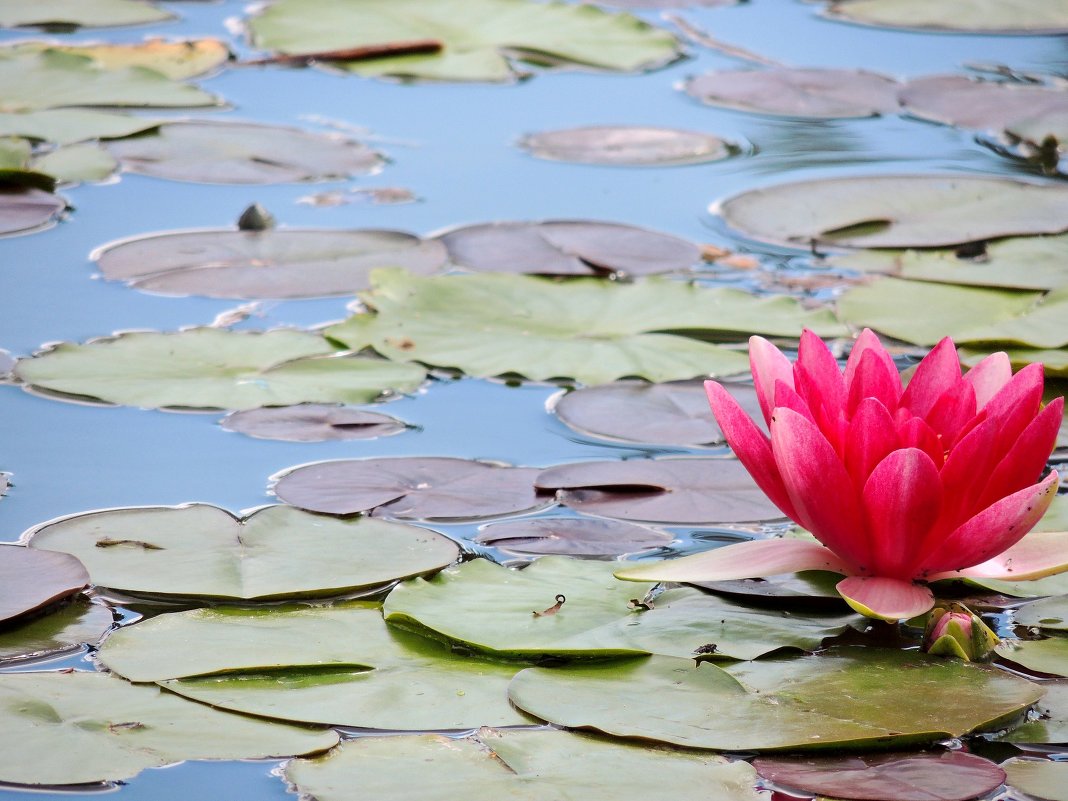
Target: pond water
<point x="454" y="146"/>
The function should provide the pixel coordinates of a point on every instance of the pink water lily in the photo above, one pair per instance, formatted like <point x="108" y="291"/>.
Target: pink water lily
<point x="900" y="486"/>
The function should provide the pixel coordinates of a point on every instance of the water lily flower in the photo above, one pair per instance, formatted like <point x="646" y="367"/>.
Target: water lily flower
<point x="954" y="630"/>
<point x="900" y="486"/>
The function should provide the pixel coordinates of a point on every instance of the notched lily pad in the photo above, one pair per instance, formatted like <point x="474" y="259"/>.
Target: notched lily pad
<point x="413" y="487"/>
<point x="26" y="209"/>
<point x="311" y="422"/>
<point x="79" y="13"/>
<point x="572" y="536"/>
<point x="31" y="580"/>
<point x="630" y="146"/>
<point x="77" y="623"/>
<point x="964" y="16"/>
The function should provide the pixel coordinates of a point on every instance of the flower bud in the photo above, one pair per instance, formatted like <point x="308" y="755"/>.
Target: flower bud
<point x="953" y="630"/>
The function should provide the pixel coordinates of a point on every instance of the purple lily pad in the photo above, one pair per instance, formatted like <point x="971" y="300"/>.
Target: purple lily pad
<point x="982" y="105"/>
<point x="571" y="536"/>
<point x="31" y="579"/>
<point x="412" y="488"/>
<point x="312" y="422"/>
<point x="23" y="209"/>
<point x="677" y="491"/>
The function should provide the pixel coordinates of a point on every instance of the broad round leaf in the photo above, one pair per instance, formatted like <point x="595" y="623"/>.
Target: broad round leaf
<point x="810" y="587"/>
<point x="243" y="153"/>
<point x="177" y="60"/>
<point x="71" y="626"/>
<point x="263" y="264"/>
<point x="69" y="728"/>
<point x="1039" y="778"/>
<point x="85" y="161"/>
<point x="1047" y="613"/>
<point x="308" y="422"/>
<point x="84" y="13"/>
<point x="793" y="92"/>
<point x="974" y="16"/>
<point x="519" y="765"/>
<point x="679" y="491"/>
<point x="413" y="487"/>
<point x="277" y="552"/>
<point x="779" y="704"/>
<point x="508" y="613"/>
<point x="65" y="126"/>
<point x="23" y="209"/>
<point x="897" y="211"/>
<point x="1049" y="723"/>
<point x="983" y="105"/>
<point x="1049" y="656"/>
<point x="631" y="146"/>
<point x="210" y="368"/>
<point x="571" y="536"/>
<point x="31" y="580"/>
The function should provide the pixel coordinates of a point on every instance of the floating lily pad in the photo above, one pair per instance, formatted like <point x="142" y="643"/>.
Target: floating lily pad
<point x="1048" y="656"/>
<point x="1048" y="613"/>
<point x="675" y="413"/>
<point x="809" y="586"/>
<point x="243" y="153"/>
<point x="965" y="16"/>
<point x="341" y="665"/>
<point x="15" y="169"/>
<point x="206" y="552"/>
<point x="506" y="612"/>
<point x="794" y="704"/>
<point x="679" y="491"/>
<point x="1039" y="778"/>
<point x="68" y="126"/>
<point x="983" y="105"/>
<point x="590" y="330"/>
<point x="177" y="60"/>
<point x="264" y="264"/>
<point x="524" y="766"/>
<point x="627" y="145"/>
<point x="945" y="776"/>
<point x="31" y="580"/>
<point x="24" y="209"/>
<point x="309" y="422"/>
<point x="572" y="536"/>
<point x="213" y="368"/>
<point x="70" y="728"/>
<point x="897" y="211"/>
<point x="793" y="92"/>
<point x="568" y="247"/>
<point x="86" y="161"/>
<point x="1038" y="129"/>
<point x="479" y="40"/>
<point x="75" y="624"/>
<point x="79" y="13"/>
<point x="1049" y="721"/>
<point x="414" y="487"/>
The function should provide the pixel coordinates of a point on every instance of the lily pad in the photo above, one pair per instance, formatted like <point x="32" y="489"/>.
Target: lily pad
<point x="86" y="161"/>
<point x="798" y="92"/>
<point x="964" y="16"/>
<point x="79" y="13"/>
<point x="72" y="728"/>
<point x="793" y="704"/>
<point x="15" y="167"/>
<point x="1049" y="656"/>
<point x="897" y="211"/>
<point x="69" y="126"/>
<point x="809" y="587"/>
<point x="982" y="105"/>
<point x="277" y="552"/>
<point x="1049" y="721"/>
<point x="71" y="626"/>
<point x="674" y="413"/>
<point x="480" y="40"/>
<point x="301" y="263"/>
<point x="25" y="209"/>
<point x="243" y="153"/>
<point x="506" y="612"/>
<point x="590" y="330"/>
<point x="519" y="765"/>
<point x="413" y="487"/>
<point x="572" y="536"/>
<point x="31" y="580"/>
<point x="177" y="60"/>
<point x="1048" y="613"/>
<point x="213" y="368"/>
<point x="568" y="247"/>
<point x="1038" y="778"/>
<point x="627" y="145"/>
<point x="309" y="422"/>
<point x="677" y="491"/>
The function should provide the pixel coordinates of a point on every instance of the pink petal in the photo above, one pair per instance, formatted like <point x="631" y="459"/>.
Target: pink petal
<point x="974" y="455"/>
<point x="750" y="445"/>
<point x="939" y="370"/>
<point x="875" y="377"/>
<point x="870" y="437"/>
<point x="952" y="412"/>
<point x="989" y="376"/>
<point x="1026" y="459"/>
<point x="768" y="365"/>
<point x="818" y="486"/>
<point x="902" y="500"/>
<point x="915" y="433"/>
<point x="742" y="560"/>
<point x="885" y="598"/>
<point x="788" y="399"/>
<point x="1039" y="554"/>
<point x="995" y="529"/>
<point x="818" y="379"/>
<point x="1016" y="404"/>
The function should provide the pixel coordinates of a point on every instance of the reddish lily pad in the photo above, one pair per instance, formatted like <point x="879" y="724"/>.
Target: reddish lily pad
<point x="787" y="91"/>
<point x="415" y="488"/>
<point x="983" y="105"/>
<point x="571" y="536"/>
<point x="948" y="776"/>
<point x="677" y="491"/>
<point x="627" y="145"/>
<point x="31" y="579"/>
<point x="23" y="209"/>
<point x="568" y="247"/>
<point x="312" y="422"/>
<point x="264" y="264"/>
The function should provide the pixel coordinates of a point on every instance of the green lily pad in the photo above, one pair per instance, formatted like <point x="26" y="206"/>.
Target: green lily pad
<point x="982" y="105"/>
<point x="480" y="40"/>
<point x="214" y="368"/>
<point x="277" y="552"/>
<point x="571" y="536"/>
<point x="64" y="126"/>
<point x="848" y="698"/>
<point x="897" y="211"/>
<point x="1038" y="778"/>
<point x="70" y="728"/>
<point x="1048" y="722"/>
<point x="340" y="665"/>
<point x="31" y="580"/>
<point x="311" y="422"/>
<point x="271" y="263"/>
<point x="80" y="13"/>
<point x="177" y="60"/>
<point x="524" y="766"/>
<point x="627" y="145"/>
<point x="71" y="626"/>
<point x="15" y="169"/>
<point x="1048" y="613"/>
<point x="964" y="16"/>
<point x="509" y="613"/>
<point x="812" y="587"/>
<point x="86" y="161"/>
<point x="1048" y="656"/>
<point x="590" y="330"/>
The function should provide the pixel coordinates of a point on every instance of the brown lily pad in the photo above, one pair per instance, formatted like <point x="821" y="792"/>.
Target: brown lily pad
<point x="568" y="247"/>
<point x="982" y="105"/>
<point x="948" y="776"/>
<point x="791" y="92"/>
<point x="571" y="536"/>
<point x="412" y="488"/>
<point x="627" y="145"/>
<point x="264" y="264"/>
<point x="32" y="579"/>
<point x="23" y="209"/>
<point x="678" y="491"/>
<point x="312" y="422"/>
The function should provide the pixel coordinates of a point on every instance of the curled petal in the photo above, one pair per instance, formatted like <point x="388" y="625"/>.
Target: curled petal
<point x="1039" y="554"/>
<point x="902" y="500"/>
<point x="768" y="365"/>
<point x="818" y="379"/>
<point x="1016" y="404"/>
<point x="875" y="377"/>
<point x="939" y="370"/>
<point x="743" y="560"/>
<point x="885" y="598"/>
<point x="1024" y="462"/>
<point x="989" y="376"/>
